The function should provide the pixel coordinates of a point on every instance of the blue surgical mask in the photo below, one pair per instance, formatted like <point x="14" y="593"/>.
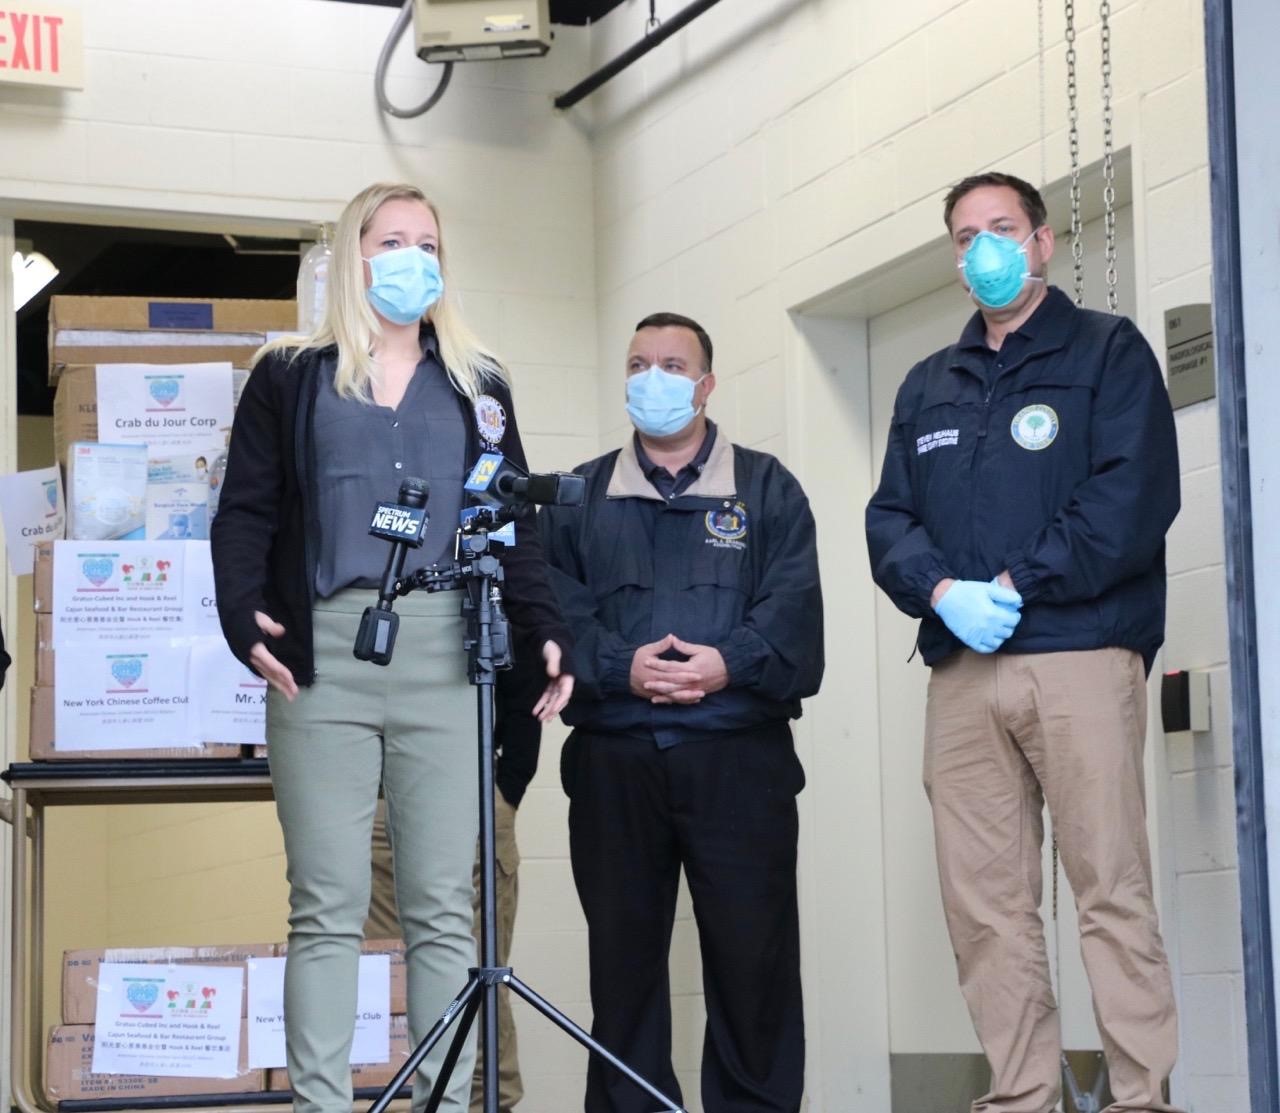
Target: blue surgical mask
<point x="405" y="283"/>
<point x="995" y="267"/>
<point x="660" y="403"/>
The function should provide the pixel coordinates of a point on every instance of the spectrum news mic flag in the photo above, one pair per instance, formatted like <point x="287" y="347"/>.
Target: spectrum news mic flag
<point x="404" y="524"/>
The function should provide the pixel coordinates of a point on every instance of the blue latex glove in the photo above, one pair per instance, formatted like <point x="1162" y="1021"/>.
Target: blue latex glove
<point x="982" y="615"/>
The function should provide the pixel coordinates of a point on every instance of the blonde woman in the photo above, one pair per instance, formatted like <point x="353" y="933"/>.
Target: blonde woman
<point x="393" y="384"/>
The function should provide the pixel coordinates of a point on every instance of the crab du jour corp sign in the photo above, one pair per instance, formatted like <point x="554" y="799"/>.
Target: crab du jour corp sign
<point x="41" y="44"/>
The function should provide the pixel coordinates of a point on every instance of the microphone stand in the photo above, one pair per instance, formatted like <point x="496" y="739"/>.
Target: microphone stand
<point x="488" y="645"/>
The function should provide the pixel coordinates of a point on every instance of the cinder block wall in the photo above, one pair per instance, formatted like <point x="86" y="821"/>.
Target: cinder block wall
<point x="776" y="150"/>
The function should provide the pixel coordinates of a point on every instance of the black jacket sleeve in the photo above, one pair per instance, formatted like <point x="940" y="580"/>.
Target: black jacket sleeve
<point x="905" y="563"/>
<point x="1115" y="524"/>
<point x="778" y="649"/>
<point x="244" y="528"/>
<point x="602" y="659"/>
<point x="5" y="659"/>
<point x="530" y="601"/>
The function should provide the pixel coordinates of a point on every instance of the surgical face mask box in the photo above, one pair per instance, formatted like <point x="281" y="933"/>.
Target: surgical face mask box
<point x="69" y="1072"/>
<point x="178" y="498"/>
<point x="89" y="330"/>
<point x="80" y="970"/>
<point x="106" y="492"/>
<point x="42" y="746"/>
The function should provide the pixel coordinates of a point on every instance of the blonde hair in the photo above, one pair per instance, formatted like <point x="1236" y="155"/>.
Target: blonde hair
<point x="351" y="323"/>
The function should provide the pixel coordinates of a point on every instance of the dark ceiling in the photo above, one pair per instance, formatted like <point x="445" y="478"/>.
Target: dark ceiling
<point x="562" y="11"/>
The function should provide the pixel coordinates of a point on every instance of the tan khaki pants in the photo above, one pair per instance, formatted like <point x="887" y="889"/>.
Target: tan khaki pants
<point x="1005" y="733"/>
<point x="384" y="924"/>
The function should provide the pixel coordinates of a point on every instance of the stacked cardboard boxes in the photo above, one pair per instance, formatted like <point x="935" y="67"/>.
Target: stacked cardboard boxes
<point x="83" y="333"/>
<point x="69" y="1060"/>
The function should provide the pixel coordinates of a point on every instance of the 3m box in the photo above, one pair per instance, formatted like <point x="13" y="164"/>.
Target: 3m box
<point x="88" y="330"/>
<point x="80" y="970"/>
<point x="69" y="1072"/>
<point x="364" y="1074"/>
<point x="41" y="745"/>
<point x="399" y="972"/>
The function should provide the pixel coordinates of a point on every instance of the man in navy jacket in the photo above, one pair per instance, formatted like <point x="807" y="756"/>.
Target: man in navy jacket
<point x="689" y="578"/>
<point x="1030" y="477"/>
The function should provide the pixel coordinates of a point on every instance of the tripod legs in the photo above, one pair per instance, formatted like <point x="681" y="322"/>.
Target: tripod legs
<point x="464" y="1007"/>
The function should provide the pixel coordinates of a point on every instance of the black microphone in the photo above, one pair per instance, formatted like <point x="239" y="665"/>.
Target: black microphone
<point x="498" y="481"/>
<point x="404" y="524"/>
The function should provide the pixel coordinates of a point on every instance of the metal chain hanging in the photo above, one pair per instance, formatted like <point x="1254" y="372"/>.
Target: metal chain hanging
<point x="1073" y="143"/>
<point x="1108" y="159"/>
<point x="653" y="22"/>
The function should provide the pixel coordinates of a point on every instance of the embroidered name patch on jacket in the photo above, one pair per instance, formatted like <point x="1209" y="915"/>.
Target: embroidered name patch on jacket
<point x="937" y="439"/>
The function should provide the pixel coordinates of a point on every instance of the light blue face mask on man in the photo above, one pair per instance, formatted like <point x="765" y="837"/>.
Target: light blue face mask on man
<point x="660" y="403"/>
<point x="995" y="267"/>
<point x="406" y="283"/>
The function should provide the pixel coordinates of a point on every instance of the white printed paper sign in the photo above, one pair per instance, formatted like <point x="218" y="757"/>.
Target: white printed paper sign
<point x="200" y="603"/>
<point x="372" y="1043"/>
<point x="228" y="702"/>
<point x="32" y="507"/>
<point x="116" y="589"/>
<point x="176" y="410"/>
<point x="122" y="697"/>
<point x="171" y="1021"/>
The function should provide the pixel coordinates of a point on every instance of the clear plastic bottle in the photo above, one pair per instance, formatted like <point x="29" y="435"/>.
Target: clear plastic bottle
<point x="217" y="470"/>
<point x="313" y="282"/>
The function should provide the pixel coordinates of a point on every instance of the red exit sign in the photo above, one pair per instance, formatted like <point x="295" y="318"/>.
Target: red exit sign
<point x="41" y="44"/>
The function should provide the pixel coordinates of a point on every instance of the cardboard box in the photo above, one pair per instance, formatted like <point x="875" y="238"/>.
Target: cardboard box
<point x="41" y="745"/>
<point x="75" y="410"/>
<point x="80" y="970"/>
<point x="88" y="330"/>
<point x="69" y="1072"/>
<point x="399" y="972"/>
<point x="44" y="651"/>
<point x="42" y="584"/>
<point x="364" y="1074"/>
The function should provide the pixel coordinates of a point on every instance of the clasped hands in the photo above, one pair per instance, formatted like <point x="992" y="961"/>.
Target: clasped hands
<point x="980" y="614"/>
<point x="661" y="681"/>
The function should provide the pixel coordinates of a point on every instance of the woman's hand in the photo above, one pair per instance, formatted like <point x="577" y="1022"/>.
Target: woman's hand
<point x="277" y="674"/>
<point x="558" y="690"/>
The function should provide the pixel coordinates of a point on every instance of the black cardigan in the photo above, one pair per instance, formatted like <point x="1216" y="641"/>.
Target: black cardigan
<point x="265" y="534"/>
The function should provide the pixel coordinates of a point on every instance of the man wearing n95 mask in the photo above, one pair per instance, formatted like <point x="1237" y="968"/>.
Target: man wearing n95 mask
<point x="690" y="578"/>
<point x="1030" y="477"/>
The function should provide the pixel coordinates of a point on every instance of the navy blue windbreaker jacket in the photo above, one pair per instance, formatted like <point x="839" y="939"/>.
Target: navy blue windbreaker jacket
<point x="732" y="562"/>
<point x="1063" y="471"/>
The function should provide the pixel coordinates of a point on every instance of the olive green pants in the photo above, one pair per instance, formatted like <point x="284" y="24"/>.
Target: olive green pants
<point x="384" y="924"/>
<point x="409" y="727"/>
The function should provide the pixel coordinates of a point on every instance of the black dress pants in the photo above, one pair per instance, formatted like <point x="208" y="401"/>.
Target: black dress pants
<point x="724" y="809"/>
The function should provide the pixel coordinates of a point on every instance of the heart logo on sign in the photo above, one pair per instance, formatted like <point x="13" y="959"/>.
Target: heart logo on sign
<point x="127" y="670"/>
<point x="97" y="570"/>
<point x="142" y="995"/>
<point x="208" y="991"/>
<point x="172" y="995"/>
<point x="164" y="391"/>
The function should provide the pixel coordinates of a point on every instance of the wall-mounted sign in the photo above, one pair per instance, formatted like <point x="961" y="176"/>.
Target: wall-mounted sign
<point x="1188" y="342"/>
<point x="41" y="44"/>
